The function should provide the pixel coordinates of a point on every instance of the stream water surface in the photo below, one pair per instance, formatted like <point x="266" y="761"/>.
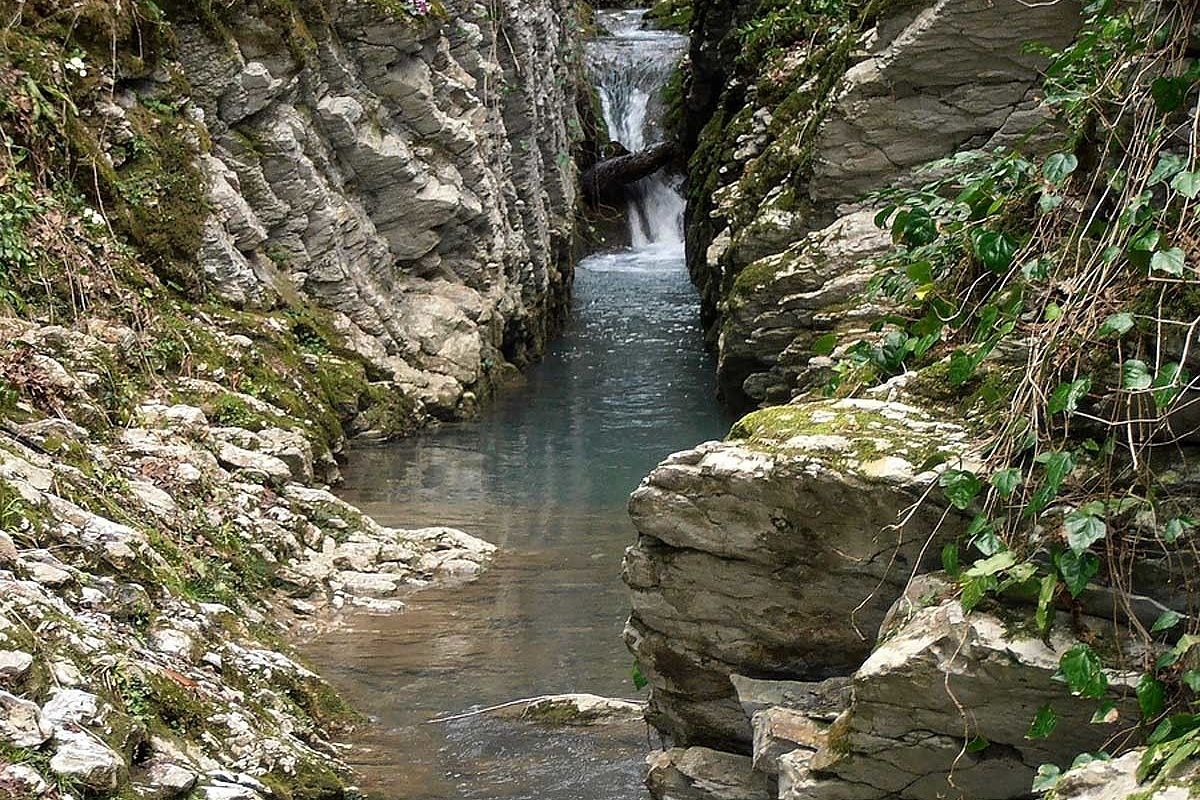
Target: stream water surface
<point x="545" y="474"/>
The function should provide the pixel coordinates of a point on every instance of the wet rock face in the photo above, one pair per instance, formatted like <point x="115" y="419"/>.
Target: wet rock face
<point x="748" y="561"/>
<point x="412" y="176"/>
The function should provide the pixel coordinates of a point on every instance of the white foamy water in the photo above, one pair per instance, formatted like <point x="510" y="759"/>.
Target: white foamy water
<point x="630" y="68"/>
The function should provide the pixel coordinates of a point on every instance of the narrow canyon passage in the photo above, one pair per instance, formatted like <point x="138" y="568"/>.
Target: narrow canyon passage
<point x="545" y="475"/>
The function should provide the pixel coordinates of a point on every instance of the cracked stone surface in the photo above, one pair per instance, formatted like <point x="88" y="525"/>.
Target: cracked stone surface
<point x="933" y="78"/>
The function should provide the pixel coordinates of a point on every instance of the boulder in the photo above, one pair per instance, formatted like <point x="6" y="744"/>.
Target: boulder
<point x="939" y="679"/>
<point x="81" y="758"/>
<point x="747" y="561"/>
<point x="22" y="723"/>
<point x="582" y="709"/>
<point x="697" y="773"/>
<point x="265" y="466"/>
<point x="14" y="665"/>
<point x="166" y="779"/>
<point x="73" y="707"/>
<point x="22" y="780"/>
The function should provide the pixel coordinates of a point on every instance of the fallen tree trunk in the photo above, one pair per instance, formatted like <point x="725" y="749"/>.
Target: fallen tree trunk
<point x="603" y="179"/>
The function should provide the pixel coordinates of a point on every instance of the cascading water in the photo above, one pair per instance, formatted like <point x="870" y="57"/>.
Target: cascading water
<point x="630" y="66"/>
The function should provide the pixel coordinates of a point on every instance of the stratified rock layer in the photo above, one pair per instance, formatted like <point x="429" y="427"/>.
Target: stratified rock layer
<point x="777" y="554"/>
<point x="919" y="82"/>
<point x="411" y="175"/>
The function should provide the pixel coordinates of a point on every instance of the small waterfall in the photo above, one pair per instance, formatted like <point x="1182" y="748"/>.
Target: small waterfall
<point x="630" y="66"/>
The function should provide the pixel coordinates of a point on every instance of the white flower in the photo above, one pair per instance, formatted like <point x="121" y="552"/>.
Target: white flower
<point x="92" y="217"/>
<point x="77" y="66"/>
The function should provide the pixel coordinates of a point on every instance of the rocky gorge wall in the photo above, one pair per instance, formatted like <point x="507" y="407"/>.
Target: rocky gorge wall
<point x="799" y="608"/>
<point x="232" y="236"/>
<point x="415" y="179"/>
<point x="791" y="155"/>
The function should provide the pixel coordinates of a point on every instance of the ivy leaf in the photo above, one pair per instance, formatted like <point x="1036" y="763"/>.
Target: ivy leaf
<point x="983" y="536"/>
<point x="1167" y="620"/>
<point x="1169" y="93"/>
<point x="950" y="560"/>
<point x="1077" y="569"/>
<point x="1059" y="167"/>
<point x="1080" y="668"/>
<point x="824" y="345"/>
<point x="1168" y="166"/>
<point x="1046" y="594"/>
<point x="986" y="567"/>
<point x="977" y="745"/>
<point x="914" y="227"/>
<point x="960" y="487"/>
<point x="1177" y="527"/>
<point x="995" y="250"/>
<point x="1187" y="184"/>
<point x="1067" y="395"/>
<point x="1169" y="262"/>
<point x="881" y="219"/>
<point x="1145" y="241"/>
<point x="1043" y="723"/>
<point x="1181" y="648"/>
<point x="1046" y="778"/>
<point x="1151" y="695"/>
<point x="1135" y="375"/>
<point x="1083" y="530"/>
<point x="1191" y="679"/>
<point x="974" y="589"/>
<point x="1168" y="385"/>
<point x="920" y="272"/>
<point x="1057" y="465"/>
<point x="1117" y="325"/>
<point x="1048" y="202"/>
<point x="1006" y="481"/>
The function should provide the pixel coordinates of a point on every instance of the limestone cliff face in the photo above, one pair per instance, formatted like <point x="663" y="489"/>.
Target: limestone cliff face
<point x="413" y="176"/>
<point x="791" y="153"/>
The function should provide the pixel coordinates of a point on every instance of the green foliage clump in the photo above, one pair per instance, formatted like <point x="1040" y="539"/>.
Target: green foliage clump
<point x="778" y="24"/>
<point x="671" y="15"/>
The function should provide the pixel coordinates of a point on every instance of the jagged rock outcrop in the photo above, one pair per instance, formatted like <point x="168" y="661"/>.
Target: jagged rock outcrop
<point x="747" y="562"/>
<point x="413" y="176"/>
<point x="943" y="708"/>
<point x="883" y="96"/>
<point x="940" y="708"/>
<point x="780" y="305"/>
